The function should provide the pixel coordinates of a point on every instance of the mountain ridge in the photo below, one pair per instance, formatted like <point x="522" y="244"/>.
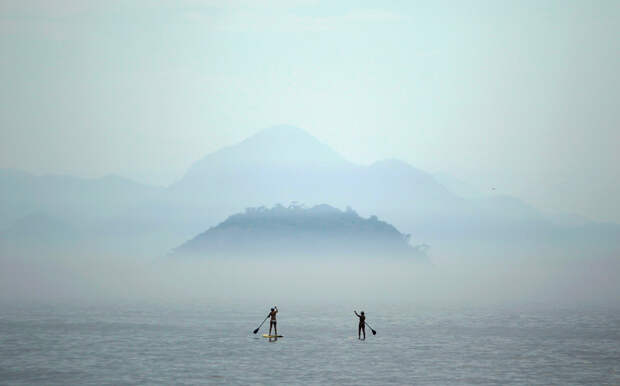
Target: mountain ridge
<point x="409" y="198"/>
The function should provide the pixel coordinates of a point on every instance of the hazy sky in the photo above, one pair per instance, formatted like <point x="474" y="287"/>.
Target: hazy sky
<point x="522" y="96"/>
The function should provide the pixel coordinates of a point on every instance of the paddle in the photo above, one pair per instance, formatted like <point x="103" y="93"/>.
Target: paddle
<point x="257" y="328"/>
<point x="371" y="329"/>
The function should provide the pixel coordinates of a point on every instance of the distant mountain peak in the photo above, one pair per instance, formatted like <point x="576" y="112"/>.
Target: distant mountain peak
<point x="281" y="147"/>
<point x="283" y="137"/>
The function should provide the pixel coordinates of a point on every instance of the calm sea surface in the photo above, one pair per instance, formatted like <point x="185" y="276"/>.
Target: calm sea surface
<point x="198" y="344"/>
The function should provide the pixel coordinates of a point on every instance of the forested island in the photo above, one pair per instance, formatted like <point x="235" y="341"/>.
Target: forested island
<point x="318" y="231"/>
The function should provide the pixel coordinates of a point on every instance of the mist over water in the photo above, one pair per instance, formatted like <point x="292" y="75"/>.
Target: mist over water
<point x="435" y="281"/>
<point x="447" y="319"/>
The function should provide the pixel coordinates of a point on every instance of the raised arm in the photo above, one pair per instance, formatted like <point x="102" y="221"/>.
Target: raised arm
<point x="276" y="307"/>
<point x="356" y="314"/>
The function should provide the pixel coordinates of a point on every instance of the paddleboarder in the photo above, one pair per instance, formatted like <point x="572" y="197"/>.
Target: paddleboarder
<point x="272" y="322"/>
<point x="361" y="327"/>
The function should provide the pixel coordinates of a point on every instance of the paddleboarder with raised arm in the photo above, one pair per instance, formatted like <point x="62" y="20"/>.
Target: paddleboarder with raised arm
<point x="272" y="322"/>
<point x="361" y="327"/>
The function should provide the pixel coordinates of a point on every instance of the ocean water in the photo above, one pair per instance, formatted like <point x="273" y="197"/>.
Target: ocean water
<point x="208" y="344"/>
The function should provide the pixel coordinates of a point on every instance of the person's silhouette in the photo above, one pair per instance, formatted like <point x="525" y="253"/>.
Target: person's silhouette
<point x="273" y="322"/>
<point x="361" y="327"/>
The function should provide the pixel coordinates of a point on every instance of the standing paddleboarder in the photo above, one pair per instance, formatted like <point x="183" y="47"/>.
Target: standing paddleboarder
<point x="361" y="327"/>
<point x="272" y="322"/>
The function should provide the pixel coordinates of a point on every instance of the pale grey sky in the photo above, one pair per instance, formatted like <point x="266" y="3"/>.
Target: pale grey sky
<point x="522" y="96"/>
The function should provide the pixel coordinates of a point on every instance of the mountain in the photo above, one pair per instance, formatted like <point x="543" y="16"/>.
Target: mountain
<point x="284" y="164"/>
<point x="278" y="149"/>
<point x="277" y="165"/>
<point x="319" y="232"/>
<point x="457" y="186"/>
<point x="64" y="196"/>
<point x="102" y="213"/>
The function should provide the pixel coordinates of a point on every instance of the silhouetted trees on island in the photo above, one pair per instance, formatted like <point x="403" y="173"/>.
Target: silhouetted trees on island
<point x="300" y="230"/>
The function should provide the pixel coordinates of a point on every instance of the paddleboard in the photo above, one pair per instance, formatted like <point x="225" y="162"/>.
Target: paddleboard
<point x="271" y="336"/>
